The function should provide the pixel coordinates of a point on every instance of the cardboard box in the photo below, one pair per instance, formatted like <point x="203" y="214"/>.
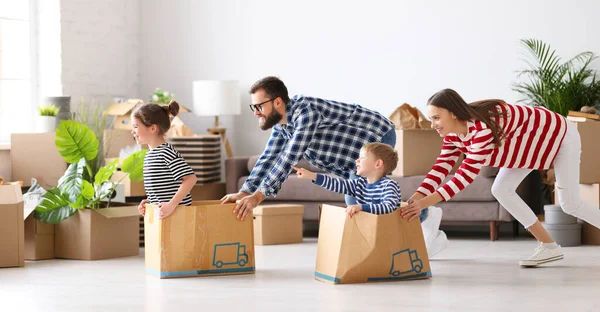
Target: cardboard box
<point x="199" y="240"/>
<point x="99" y="234"/>
<point x="12" y="242"/>
<point x="115" y="140"/>
<point x="418" y="150"/>
<point x="131" y="188"/>
<point x="590" y="193"/>
<point x="369" y="248"/>
<point x="590" y="149"/>
<point x="210" y="191"/>
<point x="34" y="155"/>
<point x="122" y="113"/>
<point x="278" y="224"/>
<point x="39" y="236"/>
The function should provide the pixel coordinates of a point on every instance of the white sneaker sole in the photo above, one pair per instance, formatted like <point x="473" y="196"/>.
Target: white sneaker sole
<point x="534" y="263"/>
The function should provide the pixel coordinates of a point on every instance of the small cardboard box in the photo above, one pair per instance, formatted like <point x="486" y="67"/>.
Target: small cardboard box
<point x="590" y="193"/>
<point x="122" y="113"/>
<point x="99" y="234"/>
<point x="278" y="224"/>
<point x="199" y="240"/>
<point x="39" y="236"/>
<point x="369" y="248"/>
<point x="590" y="149"/>
<point x="417" y="150"/>
<point x="12" y="242"/>
<point x="210" y="191"/>
<point x="34" y="155"/>
<point x="131" y="188"/>
<point x="115" y="140"/>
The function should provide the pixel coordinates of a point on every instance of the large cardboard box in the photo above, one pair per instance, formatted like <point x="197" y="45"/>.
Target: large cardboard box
<point x="278" y="224"/>
<point x="39" y="236"/>
<point x="369" y="248"/>
<point x="34" y="155"/>
<point x="12" y="242"/>
<point x="99" y="234"/>
<point x="417" y="150"/>
<point x="590" y="193"/>
<point x="210" y="191"/>
<point x="131" y="188"/>
<point x="589" y="130"/>
<point x="199" y="240"/>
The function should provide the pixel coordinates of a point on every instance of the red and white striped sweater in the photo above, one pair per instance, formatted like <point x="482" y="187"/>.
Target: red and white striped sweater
<point x="533" y="136"/>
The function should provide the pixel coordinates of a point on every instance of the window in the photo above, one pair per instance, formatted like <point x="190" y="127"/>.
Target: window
<point x="17" y="68"/>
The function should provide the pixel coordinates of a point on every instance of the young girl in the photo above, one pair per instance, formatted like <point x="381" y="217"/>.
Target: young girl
<point x="515" y="138"/>
<point x="168" y="179"/>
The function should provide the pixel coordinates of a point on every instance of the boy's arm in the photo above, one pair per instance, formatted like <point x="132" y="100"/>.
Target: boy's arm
<point x="390" y="202"/>
<point x="348" y="187"/>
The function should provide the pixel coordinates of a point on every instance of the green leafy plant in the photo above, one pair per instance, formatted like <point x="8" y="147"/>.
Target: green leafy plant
<point x="79" y="188"/>
<point x="50" y="110"/>
<point x="556" y="85"/>
<point x="161" y="97"/>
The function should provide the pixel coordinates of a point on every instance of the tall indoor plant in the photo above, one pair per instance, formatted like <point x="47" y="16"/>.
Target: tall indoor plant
<point x="557" y="85"/>
<point x="79" y="187"/>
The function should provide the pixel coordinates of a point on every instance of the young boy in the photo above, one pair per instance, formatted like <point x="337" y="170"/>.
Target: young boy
<point x="375" y="192"/>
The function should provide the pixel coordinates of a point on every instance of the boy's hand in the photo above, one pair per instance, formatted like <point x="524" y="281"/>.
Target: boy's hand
<point x="166" y="209"/>
<point x="353" y="209"/>
<point x="142" y="207"/>
<point x="305" y="174"/>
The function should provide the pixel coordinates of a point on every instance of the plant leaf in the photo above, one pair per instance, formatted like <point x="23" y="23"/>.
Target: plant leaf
<point x="71" y="183"/>
<point x="53" y="207"/>
<point x="134" y="165"/>
<point x="75" y="141"/>
<point x="106" y="172"/>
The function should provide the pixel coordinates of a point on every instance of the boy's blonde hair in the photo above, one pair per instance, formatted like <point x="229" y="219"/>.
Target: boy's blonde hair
<point x="386" y="153"/>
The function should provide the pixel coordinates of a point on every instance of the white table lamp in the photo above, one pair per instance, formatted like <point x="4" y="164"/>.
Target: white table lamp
<point x="215" y="98"/>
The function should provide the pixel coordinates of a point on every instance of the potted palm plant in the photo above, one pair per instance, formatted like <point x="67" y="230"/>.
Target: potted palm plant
<point x="46" y="121"/>
<point x="84" y="229"/>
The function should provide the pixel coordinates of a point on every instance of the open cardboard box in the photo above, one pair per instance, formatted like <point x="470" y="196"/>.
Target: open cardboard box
<point x="12" y="241"/>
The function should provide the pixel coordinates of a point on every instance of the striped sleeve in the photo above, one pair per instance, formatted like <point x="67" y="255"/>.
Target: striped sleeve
<point x="481" y="147"/>
<point x="390" y="201"/>
<point x="177" y="164"/>
<point x="348" y="187"/>
<point x="443" y="165"/>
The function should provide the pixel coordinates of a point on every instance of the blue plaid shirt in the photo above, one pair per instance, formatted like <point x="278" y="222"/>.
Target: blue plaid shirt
<point x="328" y="134"/>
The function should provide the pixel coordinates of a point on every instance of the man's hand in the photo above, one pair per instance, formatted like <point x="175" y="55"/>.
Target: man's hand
<point x="166" y="209"/>
<point x="233" y="197"/>
<point x="142" y="207"/>
<point x="245" y="206"/>
<point x="412" y="210"/>
<point x="353" y="209"/>
<point x="305" y="174"/>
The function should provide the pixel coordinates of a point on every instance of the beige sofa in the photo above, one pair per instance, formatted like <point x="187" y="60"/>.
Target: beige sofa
<point x="474" y="205"/>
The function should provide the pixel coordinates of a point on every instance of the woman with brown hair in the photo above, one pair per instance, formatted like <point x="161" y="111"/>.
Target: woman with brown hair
<point x="516" y="139"/>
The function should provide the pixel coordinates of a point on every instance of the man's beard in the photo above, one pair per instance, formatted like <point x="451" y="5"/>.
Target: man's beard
<point x="272" y="119"/>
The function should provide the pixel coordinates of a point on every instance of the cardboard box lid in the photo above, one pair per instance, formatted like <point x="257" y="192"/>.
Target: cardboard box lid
<point x="118" y="212"/>
<point x="277" y="210"/>
<point x="10" y="194"/>
<point x="122" y="109"/>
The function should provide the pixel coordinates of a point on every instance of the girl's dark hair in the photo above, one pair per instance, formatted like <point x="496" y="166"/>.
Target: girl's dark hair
<point x="154" y="114"/>
<point x="483" y="111"/>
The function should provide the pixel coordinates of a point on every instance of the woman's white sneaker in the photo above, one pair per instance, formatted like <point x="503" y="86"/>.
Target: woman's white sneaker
<point x="541" y="255"/>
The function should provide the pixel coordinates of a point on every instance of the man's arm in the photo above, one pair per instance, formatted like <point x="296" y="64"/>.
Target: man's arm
<point x="265" y="162"/>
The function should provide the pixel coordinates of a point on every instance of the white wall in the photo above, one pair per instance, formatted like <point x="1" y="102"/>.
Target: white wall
<point x="100" y="49"/>
<point x="378" y="53"/>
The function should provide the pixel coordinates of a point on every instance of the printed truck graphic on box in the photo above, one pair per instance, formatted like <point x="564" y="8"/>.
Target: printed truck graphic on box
<point x="405" y="261"/>
<point x="230" y="254"/>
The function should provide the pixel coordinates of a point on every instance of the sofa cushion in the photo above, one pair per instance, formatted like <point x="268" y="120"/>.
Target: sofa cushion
<point x="489" y="172"/>
<point x="303" y="163"/>
<point x="480" y="190"/>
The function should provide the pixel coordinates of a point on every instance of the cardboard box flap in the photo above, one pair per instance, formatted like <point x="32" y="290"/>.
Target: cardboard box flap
<point x="118" y="212"/>
<point x="206" y="202"/>
<point x="277" y="210"/>
<point x="121" y="109"/>
<point x="10" y="194"/>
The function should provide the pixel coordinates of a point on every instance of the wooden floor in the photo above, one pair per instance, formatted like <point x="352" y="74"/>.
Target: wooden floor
<point x="474" y="274"/>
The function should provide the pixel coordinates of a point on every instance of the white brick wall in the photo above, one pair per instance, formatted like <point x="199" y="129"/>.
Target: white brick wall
<point x="100" y="42"/>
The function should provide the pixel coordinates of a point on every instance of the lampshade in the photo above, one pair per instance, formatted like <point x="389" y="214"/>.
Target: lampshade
<point x="216" y="97"/>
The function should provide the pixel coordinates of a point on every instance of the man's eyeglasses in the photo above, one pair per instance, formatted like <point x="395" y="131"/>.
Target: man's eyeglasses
<point x="258" y="107"/>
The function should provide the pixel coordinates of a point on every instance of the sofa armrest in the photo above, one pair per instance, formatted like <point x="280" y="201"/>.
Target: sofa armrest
<point x="235" y="168"/>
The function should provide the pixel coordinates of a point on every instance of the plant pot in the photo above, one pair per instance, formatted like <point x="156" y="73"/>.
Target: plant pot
<point x="45" y="124"/>
<point x="553" y="214"/>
